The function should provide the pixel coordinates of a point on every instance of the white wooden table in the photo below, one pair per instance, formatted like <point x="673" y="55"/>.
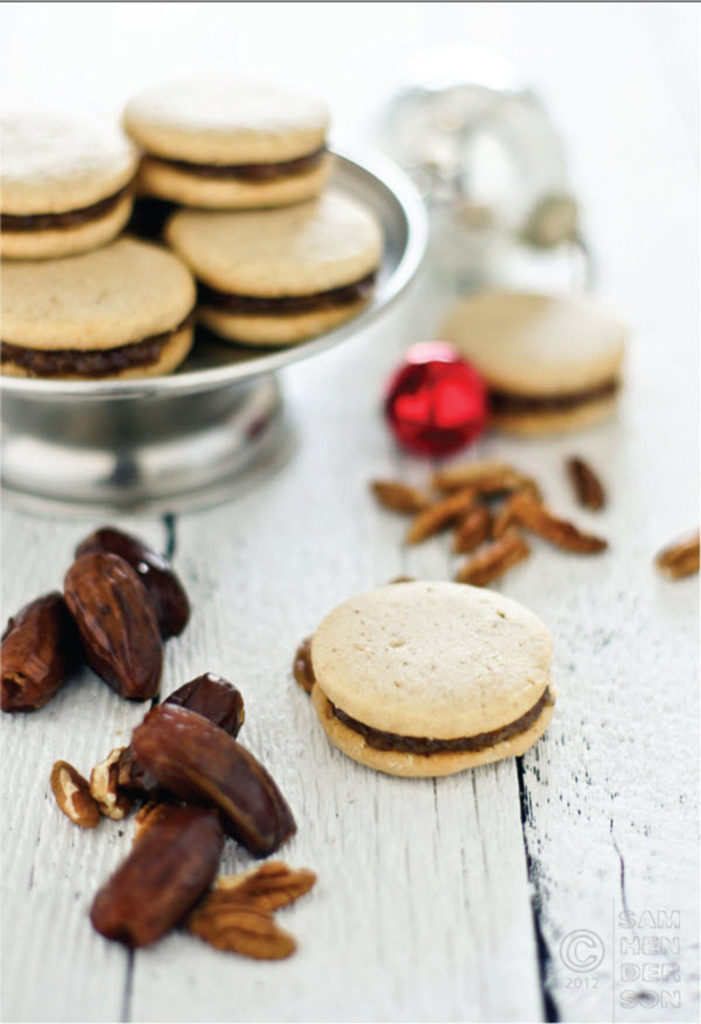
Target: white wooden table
<point x="541" y="889"/>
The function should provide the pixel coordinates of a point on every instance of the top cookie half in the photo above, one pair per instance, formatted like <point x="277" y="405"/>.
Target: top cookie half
<point x="64" y="185"/>
<point x="552" y="362"/>
<point x="432" y="659"/>
<point x="228" y="144"/>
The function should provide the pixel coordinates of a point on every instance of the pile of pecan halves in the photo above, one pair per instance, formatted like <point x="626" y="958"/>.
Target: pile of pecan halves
<point x="195" y="782"/>
<point x="488" y="505"/>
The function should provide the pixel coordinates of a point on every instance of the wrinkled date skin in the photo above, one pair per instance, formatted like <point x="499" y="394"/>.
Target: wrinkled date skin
<point x="117" y="624"/>
<point x="214" y="698"/>
<point x="39" y="647"/>
<point x="154" y="571"/>
<point x="198" y="761"/>
<point x="208" y="695"/>
<point x="163" y="877"/>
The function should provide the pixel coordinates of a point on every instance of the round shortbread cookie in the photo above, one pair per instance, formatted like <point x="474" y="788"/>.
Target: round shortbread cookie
<point x="432" y="659"/>
<point x="48" y="244"/>
<point x="173" y="353"/>
<point x="297" y="250"/>
<point x="226" y="122"/>
<point x="179" y="186"/>
<point x="276" y="330"/>
<point x="530" y="344"/>
<point x="55" y="163"/>
<point x="396" y="762"/>
<point x="123" y="293"/>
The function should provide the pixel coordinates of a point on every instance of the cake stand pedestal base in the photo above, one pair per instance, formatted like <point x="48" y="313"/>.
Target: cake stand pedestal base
<point x="171" y="453"/>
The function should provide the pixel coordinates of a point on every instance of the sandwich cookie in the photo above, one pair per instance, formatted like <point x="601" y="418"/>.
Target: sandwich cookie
<point x="552" y="362"/>
<point x="273" y="277"/>
<point x="229" y="145"/>
<point x="121" y="311"/>
<point x="427" y="679"/>
<point x="65" y="186"/>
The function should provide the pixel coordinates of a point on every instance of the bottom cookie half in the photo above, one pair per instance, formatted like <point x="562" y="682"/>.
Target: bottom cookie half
<point x="555" y="422"/>
<point x="396" y="762"/>
<point x="172" y="353"/>
<point x="278" y="329"/>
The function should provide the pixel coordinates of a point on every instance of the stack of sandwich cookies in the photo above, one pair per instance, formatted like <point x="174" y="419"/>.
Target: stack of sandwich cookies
<point x="274" y="277"/>
<point x="552" y="363"/>
<point x="66" y="184"/>
<point x="427" y="679"/>
<point x="229" y="145"/>
<point x="124" y="310"/>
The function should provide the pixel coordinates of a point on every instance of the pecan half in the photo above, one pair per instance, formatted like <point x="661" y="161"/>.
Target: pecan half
<point x="505" y="516"/>
<point x="241" y="929"/>
<point x="529" y="512"/>
<point x="588" y="489"/>
<point x="105" y="788"/>
<point x="117" y="623"/>
<point x="73" y="795"/>
<point x="453" y="478"/>
<point x="486" y="477"/>
<point x="440" y="514"/>
<point x="493" y="560"/>
<point x="165" y="874"/>
<point x="302" y="665"/>
<point x="679" y="559"/>
<point x="38" y="647"/>
<point x="197" y="761"/>
<point x="399" y="497"/>
<point x="472" y="529"/>
<point x="269" y="887"/>
<point x="167" y="592"/>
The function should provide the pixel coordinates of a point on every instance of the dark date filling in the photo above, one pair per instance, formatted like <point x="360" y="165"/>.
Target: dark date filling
<point x="247" y="172"/>
<point x="68" y="219"/>
<point x="98" y="363"/>
<point x="380" y="740"/>
<point x="508" y="402"/>
<point x="250" y="305"/>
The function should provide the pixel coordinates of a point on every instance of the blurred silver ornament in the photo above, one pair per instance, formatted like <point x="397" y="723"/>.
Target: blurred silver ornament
<point x="485" y="155"/>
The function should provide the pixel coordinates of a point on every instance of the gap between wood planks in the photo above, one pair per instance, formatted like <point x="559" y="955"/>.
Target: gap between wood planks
<point x="550" y="1008"/>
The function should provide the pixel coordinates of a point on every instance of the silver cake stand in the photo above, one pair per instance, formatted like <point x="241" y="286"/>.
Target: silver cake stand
<point x="189" y="439"/>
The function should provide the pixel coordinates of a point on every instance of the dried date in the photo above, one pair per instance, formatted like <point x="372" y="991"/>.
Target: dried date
<point x="214" y="698"/>
<point x="199" y="762"/>
<point x="167" y="592"/>
<point x="302" y="666"/>
<point x="166" y="873"/>
<point x="208" y="695"/>
<point x="117" y="623"/>
<point x="38" y="648"/>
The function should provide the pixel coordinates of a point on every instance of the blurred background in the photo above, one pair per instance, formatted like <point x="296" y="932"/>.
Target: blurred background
<point x="615" y="87"/>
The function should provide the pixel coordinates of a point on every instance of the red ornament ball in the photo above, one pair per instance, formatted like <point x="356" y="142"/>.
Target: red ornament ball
<point x="436" y="402"/>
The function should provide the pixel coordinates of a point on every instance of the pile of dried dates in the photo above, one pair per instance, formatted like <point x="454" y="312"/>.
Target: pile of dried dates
<point x="121" y="600"/>
<point x="195" y="781"/>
